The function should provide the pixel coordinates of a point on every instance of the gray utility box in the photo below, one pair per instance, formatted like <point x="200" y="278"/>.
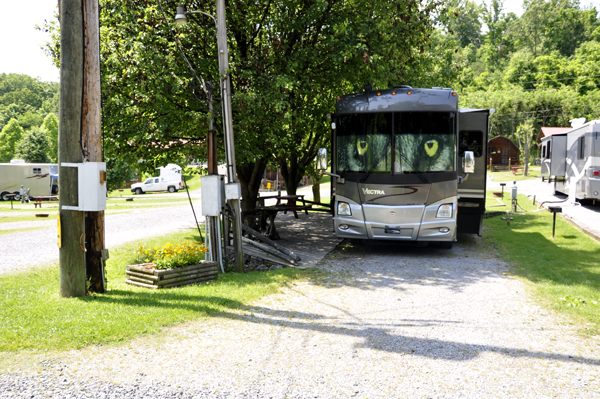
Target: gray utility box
<point x="91" y="188"/>
<point x="212" y="195"/>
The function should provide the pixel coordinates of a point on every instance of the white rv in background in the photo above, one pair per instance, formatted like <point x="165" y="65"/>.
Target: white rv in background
<point x="40" y="178"/>
<point x="571" y="161"/>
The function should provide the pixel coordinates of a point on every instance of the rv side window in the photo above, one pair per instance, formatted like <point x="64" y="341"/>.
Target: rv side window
<point x="470" y="140"/>
<point x="544" y="151"/>
<point x="581" y="148"/>
<point x="549" y="148"/>
<point x="37" y="171"/>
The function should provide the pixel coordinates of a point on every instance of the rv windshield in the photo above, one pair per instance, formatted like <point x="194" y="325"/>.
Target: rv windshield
<point x="422" y="142"/>
<point x="425" y="142"/>
<point x="364" y="143"/>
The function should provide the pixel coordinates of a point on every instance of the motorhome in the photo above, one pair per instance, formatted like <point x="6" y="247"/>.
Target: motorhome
<point x="571" y="161"/>
<point x="408" y="165"/>
<point x="40" y="178"/>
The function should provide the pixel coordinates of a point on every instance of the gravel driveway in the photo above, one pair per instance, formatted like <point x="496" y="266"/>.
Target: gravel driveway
<point x="375" y="322"/>
<point x="36" y="247"/>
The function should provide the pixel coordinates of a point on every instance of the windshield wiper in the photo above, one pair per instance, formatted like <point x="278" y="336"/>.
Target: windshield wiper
<point x="372" y="169"/>
<point x="422" y="176"/>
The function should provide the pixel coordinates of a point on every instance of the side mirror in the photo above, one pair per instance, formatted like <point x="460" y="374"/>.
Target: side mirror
<point x="322" y="162"/>
<point x="469" y="162"/>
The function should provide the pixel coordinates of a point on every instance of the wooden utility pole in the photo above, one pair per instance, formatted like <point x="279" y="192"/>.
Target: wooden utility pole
<point x="72" y="240"/>
<point x="92" y="139"/>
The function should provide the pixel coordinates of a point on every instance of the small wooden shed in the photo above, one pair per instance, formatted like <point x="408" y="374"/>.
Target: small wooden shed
<point x="503" y="152"/>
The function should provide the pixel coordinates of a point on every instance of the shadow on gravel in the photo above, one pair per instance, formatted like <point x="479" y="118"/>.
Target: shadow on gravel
<point x="374" y="265"/>
<point x="381" y="339"/>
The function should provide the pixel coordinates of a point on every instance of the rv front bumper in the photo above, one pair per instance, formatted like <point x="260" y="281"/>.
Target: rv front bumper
<point x="402" y="223"/>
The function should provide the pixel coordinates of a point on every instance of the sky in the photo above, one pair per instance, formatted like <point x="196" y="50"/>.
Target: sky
<point x="20" y="43"/>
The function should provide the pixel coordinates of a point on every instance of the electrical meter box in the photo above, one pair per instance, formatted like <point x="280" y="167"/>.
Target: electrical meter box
<point x="233" y="191"/>
<point x="91" y="189"/>
<point x="212" y="195"/>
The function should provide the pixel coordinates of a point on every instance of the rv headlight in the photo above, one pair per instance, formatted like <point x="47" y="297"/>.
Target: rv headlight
<point x="444" y="211"/>
<point x="344" y="209"/>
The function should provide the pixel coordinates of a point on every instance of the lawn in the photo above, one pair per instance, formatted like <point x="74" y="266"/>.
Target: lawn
<point x="534" y="172"/>
<point x="34" y="317"/>
<point x="563" y="272"/>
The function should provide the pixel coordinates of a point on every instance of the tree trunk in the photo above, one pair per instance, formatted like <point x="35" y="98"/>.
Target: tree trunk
<point x="292" y="173"/>
<point x="250" y="176"/>
<point x="316" y="189"/>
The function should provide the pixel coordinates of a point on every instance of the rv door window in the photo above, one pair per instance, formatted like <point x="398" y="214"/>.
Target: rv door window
<point x="581" y="148"/>
<point x="37" y="171"/>
<point x="470" y="140"/>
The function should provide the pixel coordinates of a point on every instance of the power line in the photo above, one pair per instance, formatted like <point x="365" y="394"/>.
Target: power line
<point x="540" y="81"/>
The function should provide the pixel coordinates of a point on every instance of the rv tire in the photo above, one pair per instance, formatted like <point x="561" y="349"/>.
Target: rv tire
<point x="2" y="196"/>
<point x="17" y="196"/>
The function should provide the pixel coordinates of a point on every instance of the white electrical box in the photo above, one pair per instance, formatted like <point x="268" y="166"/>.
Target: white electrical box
<point x="212" y="195"/>
<point x="91" y="190"/>
<point x="233" y="191"/>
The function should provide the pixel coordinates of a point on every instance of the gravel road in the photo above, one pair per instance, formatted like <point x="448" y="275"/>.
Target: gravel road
<point x="384" y="321"/>
<point x="36" y="247"/>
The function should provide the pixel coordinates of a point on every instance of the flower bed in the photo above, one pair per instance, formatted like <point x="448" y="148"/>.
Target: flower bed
<point x="172" y="265"/>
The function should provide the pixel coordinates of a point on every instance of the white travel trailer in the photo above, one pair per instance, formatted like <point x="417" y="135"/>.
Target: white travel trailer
<point x="571" y="161"/>
<point x="40" y="178"/>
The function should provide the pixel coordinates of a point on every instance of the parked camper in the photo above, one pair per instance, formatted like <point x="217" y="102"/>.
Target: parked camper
<point x="400" y="159"/>
<point x="40" y="178"/>
<point x="571" y="161"/>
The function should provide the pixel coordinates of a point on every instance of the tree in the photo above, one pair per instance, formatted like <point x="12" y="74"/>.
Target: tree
<point x="50" y="125"/>
<point x="466" y="23"/>
<point x="34" y="146"/>
<point x="525" y="132"/>
<point x="9" y="137"/>
<point x="289" y="61"/>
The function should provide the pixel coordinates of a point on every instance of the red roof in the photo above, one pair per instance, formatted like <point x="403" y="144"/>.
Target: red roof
<point x="551" y="131"/>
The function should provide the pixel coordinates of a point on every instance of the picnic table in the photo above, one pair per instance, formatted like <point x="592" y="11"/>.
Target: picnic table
<point x="37" y="199"/>
<point x="270" y="212"/>
<point x="292" y="203"/>
<point x="515" y="169"/>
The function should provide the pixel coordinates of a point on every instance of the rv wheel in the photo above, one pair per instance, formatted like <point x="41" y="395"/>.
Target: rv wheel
<point x="2" y="196"/>
<point x="17" y="196"/>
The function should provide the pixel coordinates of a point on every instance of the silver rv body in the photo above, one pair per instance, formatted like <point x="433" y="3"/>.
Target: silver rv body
<point x="397" y="155"/>
<point x="575" y="162"/>
<point x="40" y="178"/>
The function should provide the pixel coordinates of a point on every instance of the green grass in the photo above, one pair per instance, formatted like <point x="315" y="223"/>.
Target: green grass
<point x="563" y="272"/>
<point x="34" y="317"/>
<point x="506" y="176"/>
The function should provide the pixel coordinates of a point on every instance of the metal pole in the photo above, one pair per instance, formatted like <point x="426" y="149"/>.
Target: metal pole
<point x="228" y="128"/>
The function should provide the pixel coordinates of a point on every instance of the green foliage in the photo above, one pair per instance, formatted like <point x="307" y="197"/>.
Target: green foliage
<point x="50" y="125"/>
<point x="33" y="146"/>
<point x="9" y="137"/>
<point x="288" y="63"/>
